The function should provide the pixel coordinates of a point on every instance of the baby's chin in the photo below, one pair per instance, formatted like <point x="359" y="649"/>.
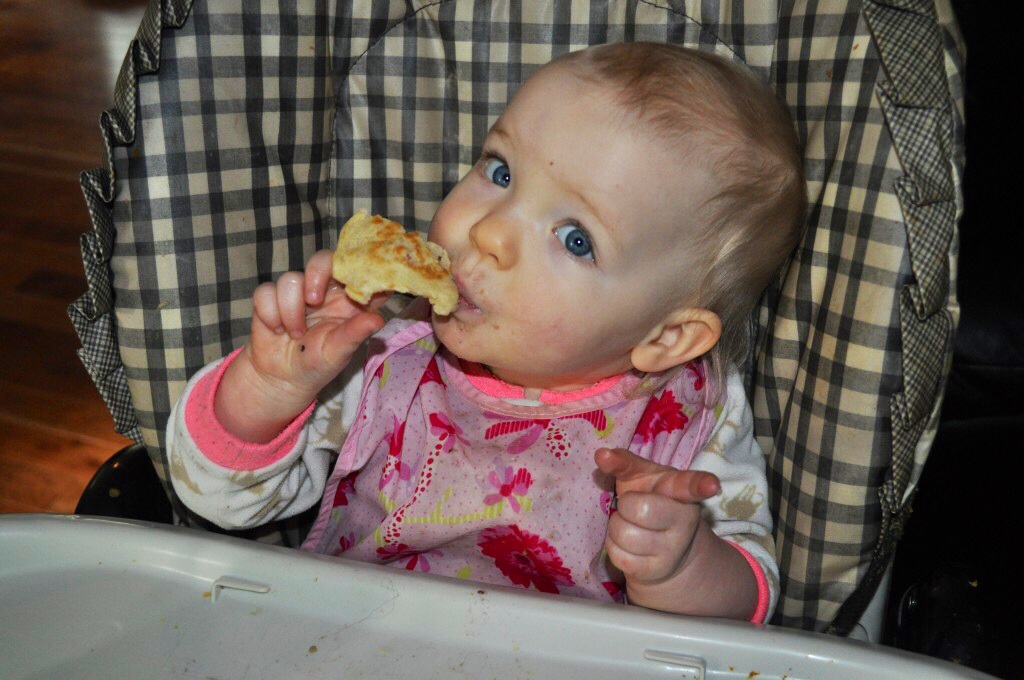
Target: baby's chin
<point x="539" y="372"/>
<point x="448" y="332"/>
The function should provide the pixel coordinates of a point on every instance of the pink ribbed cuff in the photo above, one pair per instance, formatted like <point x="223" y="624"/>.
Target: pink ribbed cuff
<point x="763" y="594"/>
<point x="221" y="446"/>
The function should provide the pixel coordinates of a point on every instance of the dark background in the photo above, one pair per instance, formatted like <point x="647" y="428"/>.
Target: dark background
<point x="959" y="548"/>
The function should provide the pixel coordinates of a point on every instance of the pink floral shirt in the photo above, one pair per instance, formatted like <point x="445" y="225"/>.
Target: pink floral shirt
<point x="442" y="472"/>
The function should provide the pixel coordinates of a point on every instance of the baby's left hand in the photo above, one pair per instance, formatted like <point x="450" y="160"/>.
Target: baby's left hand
<point x="649" y="538"/>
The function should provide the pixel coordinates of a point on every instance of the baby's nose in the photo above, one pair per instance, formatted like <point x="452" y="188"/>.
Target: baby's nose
<point x="497" y="239"/>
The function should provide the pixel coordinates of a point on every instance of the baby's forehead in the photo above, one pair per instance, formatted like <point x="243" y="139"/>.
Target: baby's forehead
<point x="619" y="153"/>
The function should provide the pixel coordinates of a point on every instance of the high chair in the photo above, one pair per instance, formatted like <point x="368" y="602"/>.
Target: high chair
<point x="244" y="134"/>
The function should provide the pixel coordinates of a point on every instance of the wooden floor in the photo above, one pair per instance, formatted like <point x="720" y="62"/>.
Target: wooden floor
<point x="58" y="63"/>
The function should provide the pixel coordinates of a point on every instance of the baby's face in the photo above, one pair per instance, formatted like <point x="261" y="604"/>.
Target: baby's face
<point x="568" y="238"/>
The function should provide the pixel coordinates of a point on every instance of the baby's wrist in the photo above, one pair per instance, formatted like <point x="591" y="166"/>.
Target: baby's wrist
<point x="254" y="406"/>
<point x="712" y="579"/>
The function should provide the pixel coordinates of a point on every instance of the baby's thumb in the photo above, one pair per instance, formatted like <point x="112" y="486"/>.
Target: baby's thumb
<point x="342" y="341"/>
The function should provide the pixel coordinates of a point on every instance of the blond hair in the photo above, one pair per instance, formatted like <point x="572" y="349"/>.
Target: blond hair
<point x="747" y="142"/>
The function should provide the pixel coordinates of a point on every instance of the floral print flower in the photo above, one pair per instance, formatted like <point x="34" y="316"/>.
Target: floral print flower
<point x="432" y="374"/>
<point x="525" y="559"/>
<point x="663" y="414"/>
<point x="382" y="373"/>
<point x="346" y="487"/>
<point x="446" y="431"/>
<point x="556" y="440"/>
<point x="393" y="551"/>
<point x="415" y="560"/>
<point x="393" y="465"/>
<point x="696" y="369"/>
<point x="531" y="429"/>
<point x="508" y="484"/>
<point x="615" y="591"/>
<point x="346" y="542"/>
<point x="418" y="561"/>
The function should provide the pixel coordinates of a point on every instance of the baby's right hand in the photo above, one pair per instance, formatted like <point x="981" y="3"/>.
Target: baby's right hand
<point x="305" y="329"/>
<point x="304" y="332"/>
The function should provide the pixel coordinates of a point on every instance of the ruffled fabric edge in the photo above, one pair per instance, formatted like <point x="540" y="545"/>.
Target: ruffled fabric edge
<point x="921" y="108"/>
<point x="92" y="314"/>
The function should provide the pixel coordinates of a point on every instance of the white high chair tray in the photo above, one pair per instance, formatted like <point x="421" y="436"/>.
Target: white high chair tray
<point x="95" y="598"/>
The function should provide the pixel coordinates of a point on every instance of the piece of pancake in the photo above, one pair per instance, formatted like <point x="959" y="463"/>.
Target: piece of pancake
<point x="375" y="254"/>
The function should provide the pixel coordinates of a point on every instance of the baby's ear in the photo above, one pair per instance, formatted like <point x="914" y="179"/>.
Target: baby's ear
<point x="685" y="335"/>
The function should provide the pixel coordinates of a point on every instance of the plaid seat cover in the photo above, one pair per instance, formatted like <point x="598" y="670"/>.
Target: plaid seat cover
<point x="244" y="134"/>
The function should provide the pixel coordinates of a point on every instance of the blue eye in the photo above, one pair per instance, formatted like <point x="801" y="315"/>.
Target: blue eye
<point x="498" y="172"/>
<point x="575" y="240"/>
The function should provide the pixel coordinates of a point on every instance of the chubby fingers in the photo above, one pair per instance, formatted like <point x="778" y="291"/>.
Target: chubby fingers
<point x="633" y="473"/>
<point x="318" y="277"/>
<point x="652" y="511"/>
<point x="264" y="304"/>
<point x="657" y="516"/>
<point x="274" y="303"/>
<point x="320" y="280"/>
<point x="650" y="535"/>
<point x="281" y="306"/>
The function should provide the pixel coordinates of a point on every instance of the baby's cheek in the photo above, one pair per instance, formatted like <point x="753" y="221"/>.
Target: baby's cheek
<point x="546" y="333"/>
<point x="562" y="346"/>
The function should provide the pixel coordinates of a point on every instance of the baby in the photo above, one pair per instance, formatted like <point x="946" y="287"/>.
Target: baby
<point x="577" y="424"/>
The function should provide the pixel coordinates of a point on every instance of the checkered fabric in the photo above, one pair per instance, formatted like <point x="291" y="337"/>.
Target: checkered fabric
<point x="855" y="341"/>
<point x="93" y="313"/>
<point x="268" y="124"/>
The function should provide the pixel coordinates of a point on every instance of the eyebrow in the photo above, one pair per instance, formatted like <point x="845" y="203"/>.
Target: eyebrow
<point x="499" y="130"/>
<point x="605" y="224"/>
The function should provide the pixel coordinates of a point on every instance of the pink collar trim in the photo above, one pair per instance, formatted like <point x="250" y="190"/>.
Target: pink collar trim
<point x="483" y="380"/>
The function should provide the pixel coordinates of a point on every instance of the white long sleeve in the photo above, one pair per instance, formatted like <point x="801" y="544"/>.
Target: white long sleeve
<point x="293" y="479"/>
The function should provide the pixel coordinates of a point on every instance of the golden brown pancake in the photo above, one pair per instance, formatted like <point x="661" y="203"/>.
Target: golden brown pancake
<point x="375" y="254"/>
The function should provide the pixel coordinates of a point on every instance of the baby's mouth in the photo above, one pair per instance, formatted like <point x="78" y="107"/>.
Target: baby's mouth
<point x="466" y="303"/>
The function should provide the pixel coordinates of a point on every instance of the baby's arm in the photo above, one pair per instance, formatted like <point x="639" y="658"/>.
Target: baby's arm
<point x="671" y="558"/>
<point x="697" y="541"/>
<point x="237" y="484"/>
<point x="240" y="449"/>
<point x="304" y="332"/>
